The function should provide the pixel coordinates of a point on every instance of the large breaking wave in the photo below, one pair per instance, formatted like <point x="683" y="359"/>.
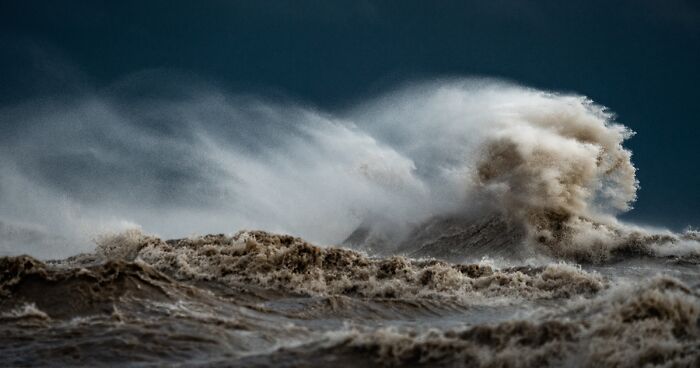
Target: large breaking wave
<point x="204" y="161"/>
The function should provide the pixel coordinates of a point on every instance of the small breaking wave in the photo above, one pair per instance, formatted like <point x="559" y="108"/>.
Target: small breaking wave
<point x="67" y="292"/>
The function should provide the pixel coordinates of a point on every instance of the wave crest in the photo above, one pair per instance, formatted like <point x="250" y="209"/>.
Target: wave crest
<point x="289" y="263"/>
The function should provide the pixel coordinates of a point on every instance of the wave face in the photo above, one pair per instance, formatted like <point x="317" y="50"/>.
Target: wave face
<point x="202" y="161"/>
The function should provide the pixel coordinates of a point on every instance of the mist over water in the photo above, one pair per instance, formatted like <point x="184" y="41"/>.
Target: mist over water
<point x="206" y="161"/>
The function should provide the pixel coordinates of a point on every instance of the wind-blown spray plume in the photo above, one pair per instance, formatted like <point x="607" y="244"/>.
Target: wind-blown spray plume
<point x="557" y="164"/>
<point x="208" y="162"/>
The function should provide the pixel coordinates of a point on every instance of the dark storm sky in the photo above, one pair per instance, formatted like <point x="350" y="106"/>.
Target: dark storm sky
<point x="640" y="58"/>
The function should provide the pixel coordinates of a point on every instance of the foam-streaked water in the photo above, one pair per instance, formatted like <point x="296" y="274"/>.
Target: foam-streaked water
<point x="257" y="299"/>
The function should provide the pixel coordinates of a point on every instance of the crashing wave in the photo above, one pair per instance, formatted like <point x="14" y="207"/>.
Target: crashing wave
<point x="551" y="165"/>
<point x="544" y="171"/>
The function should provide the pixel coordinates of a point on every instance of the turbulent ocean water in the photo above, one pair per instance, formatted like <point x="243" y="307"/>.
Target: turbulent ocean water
<point x="258" y="299"/>
<point x="464" y="224"/>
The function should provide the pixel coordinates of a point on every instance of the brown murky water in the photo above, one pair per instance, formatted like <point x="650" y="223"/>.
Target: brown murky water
<point x="257" y="299"/>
